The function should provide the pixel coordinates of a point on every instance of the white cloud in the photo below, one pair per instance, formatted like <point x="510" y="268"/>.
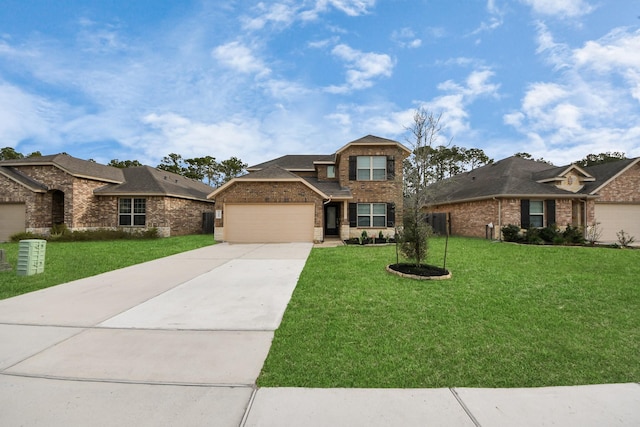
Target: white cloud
<point x="560" y="8"/>
<point x="405" y="37"/>
<point x="362" y="68"/>
<point x="239" y="57"/>
<point x="349" y="7"/>
<point x="282" y="14"/>
<point x="23" y="115"/>
<point x="588" y="108"/>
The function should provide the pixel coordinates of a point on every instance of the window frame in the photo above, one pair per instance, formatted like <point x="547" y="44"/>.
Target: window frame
<point x="368" y="219"/>
<point x="368" y="172"/>
<point x="331" y="171"/>
<point x="538" y="215"/>
<point x="134" y="213"/>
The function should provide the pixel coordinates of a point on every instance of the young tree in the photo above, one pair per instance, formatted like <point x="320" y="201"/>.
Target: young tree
<point x="424" y="133"/>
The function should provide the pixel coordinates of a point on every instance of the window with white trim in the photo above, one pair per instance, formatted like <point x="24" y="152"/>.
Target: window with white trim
<point x="372" y="168"/>
<point x="536" y="213"/>
<point x="372" y="214"/>
<point x="132" y="211"/>
<point x="331" y="171"/>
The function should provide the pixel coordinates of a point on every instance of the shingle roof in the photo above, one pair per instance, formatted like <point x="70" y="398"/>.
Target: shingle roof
<point x="73" y="166"/>
<point x="330" y="188"/>
<point x="513" y="176"/>
<point x="604" y="172"/>
<point x="273" y="171"/>
<point x="145" y="180"/>
<point x="17" y="176"/>
<point x="296" y="162"/>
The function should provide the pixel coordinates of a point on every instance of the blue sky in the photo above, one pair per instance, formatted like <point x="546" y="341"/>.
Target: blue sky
<point x="558" y="79"/>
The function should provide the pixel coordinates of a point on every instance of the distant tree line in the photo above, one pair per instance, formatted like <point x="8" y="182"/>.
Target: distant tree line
<point x="205" y="168"/>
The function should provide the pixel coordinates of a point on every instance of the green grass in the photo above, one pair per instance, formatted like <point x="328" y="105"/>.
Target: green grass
<point x="511" y="316"/>
<point x="67" y="261"/>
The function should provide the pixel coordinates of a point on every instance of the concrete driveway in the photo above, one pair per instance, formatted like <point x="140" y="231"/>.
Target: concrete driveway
<point x="176" y="341"/>
<point x="180" y="341"/>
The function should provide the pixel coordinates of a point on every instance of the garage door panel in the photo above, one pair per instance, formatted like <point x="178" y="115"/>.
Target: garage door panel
<point x="272" y="223"/>
<point x="12" y="220"/>
<point x="616" y="217"/>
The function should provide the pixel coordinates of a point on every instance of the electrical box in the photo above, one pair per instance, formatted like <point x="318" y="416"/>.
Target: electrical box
<point x="31" y="255"/>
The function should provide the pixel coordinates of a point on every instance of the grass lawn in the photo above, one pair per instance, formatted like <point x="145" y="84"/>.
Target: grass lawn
<point x="67" y="261"/>
<point x="511" y="316"/>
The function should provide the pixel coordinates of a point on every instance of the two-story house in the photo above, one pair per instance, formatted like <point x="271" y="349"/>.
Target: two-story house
<point x="304" y="198"/>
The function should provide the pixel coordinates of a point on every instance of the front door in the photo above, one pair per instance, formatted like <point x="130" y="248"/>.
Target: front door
<point x="331" y="220"/>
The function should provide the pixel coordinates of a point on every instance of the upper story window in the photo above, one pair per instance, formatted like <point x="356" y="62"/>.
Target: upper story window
<point x="331" y="171"/>
<point x="132" y="211"/>
<point x="372" y="168"/>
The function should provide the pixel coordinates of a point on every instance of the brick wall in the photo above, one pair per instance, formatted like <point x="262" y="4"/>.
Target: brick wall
<point x="270" y="192"/>
<point x="470" y="218"/>
<point x="389" y="191"/>
<point x="623" y="189"/>
<point x="83" y="210"/>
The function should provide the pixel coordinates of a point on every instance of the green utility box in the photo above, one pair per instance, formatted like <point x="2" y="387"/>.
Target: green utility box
<point x="31" y="257"/>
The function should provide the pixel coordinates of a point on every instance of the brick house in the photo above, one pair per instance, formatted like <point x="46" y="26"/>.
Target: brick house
<point x="528" y="193"/>
<point x="312" y="197"/>
<point x="37" y="193"/>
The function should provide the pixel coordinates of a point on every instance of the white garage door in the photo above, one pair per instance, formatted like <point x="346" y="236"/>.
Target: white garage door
<point x="268" y="223"/>
<point x="614" y="217"/>
<point x="12" y="220"/>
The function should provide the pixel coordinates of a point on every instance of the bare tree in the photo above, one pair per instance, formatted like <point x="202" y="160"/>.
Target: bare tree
<point x="424" y="133"/>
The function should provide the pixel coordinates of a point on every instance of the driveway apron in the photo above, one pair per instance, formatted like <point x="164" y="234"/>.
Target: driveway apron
<point x="182" y="338"/>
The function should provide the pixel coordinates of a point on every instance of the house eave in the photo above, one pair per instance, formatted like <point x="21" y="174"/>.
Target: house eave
<point x="512" y="196"/>
<point x="149" y="194"/>
<point x="217" y="191"/>
<point x="604" y="184"/>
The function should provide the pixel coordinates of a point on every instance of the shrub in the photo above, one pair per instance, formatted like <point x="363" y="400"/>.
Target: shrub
<point x="532" y="236"/>
<point x="573" y="235"/>
<point x="511" y="233"/>
<point x="550" y="234"/>
<point x="25" y="236"/>
<point x="624" y="239"/>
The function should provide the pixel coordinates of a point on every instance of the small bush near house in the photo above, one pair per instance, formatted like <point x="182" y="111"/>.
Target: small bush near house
<point x="532" y="236"/>
<point x="573" y="235"/>
<point x="625" y="239"/>
<point x="551" y="234"/>
<point x="511" y="233"/>
<point x="62" y="234"/>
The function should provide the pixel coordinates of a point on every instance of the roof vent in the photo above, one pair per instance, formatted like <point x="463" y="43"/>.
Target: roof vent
<point x="165" y="177"/>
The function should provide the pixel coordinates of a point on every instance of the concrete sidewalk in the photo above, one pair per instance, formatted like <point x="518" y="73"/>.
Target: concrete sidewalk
<point x="180" y="341"/>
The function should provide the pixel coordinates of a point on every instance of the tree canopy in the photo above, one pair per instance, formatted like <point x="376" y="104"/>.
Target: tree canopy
<point x="598" y="159"/>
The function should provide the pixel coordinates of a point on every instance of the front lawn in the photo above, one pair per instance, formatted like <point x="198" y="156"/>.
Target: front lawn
<point x="67" y="261"/>
<point x="511" y="316"/>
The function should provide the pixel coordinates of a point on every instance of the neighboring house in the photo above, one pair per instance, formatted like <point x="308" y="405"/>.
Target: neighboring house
<point x="312" y="197"/>
<point x="37" y="193"/>
<point x="528" y="193"/>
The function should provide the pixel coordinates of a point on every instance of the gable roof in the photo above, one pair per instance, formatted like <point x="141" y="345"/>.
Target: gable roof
<point x="606" y="172"/>
<point x="22" y="179"/>
<point x="71" y="165"/>
<point x="134" y="181"/>
<point x="273" y="173"/>
<point x="513" y="176"/>
<point x="372" y="140"/>
<point x="148" y="181"/>
<point x="518" y="177"/>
